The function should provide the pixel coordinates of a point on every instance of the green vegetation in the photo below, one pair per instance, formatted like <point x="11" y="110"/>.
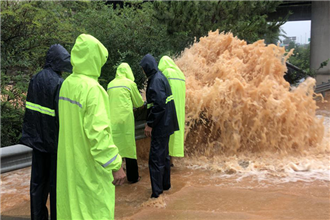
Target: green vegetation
<point x="245" y="19"/>
<point x="301" y="59"/>
<point x="301" y="56"/>
<point x="27" y="31"/>
<point x="129" y="32"/>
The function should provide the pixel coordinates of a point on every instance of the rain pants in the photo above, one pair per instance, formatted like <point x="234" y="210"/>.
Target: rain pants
<point x="123" y="96"/>
<point x="86" y="152"/>
<point x="177" y="82"/>
<point x="161" y="116"/>
<point x="40" y="130"/>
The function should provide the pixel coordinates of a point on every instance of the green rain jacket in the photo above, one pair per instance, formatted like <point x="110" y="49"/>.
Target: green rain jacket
<point x="176" y="80"/>
<point x="123" y="96"/>
<point x="86" y="152"/>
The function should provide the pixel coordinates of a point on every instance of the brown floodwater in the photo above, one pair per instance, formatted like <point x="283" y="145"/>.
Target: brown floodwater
<point x="197" y="193"/>
<point x="276" y="187"/>
<point x="255" y="148"/>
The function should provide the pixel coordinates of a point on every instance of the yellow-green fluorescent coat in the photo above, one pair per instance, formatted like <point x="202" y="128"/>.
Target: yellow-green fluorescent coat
<point x="123" y="96"/>
<point x="177" y="82"/>
<point x="86" y="152"/>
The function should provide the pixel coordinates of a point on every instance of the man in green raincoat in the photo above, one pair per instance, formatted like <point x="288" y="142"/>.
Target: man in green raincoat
<point x="123" y="96"/>
<point x="176" y="80"/>
<point x="88" y="161"/>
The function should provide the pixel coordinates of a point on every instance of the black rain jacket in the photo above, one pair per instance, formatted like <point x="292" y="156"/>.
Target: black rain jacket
<point x="40" y="123"/>
<point x="161" y="114"/>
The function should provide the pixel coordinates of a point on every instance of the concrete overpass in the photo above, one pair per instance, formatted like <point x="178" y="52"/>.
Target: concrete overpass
<point x="298" y="10"/>
<point x="319" y="14"/>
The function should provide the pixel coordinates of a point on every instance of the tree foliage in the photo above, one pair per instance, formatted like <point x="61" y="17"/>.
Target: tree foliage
<point x="187" y="20"/>
<point x="129" y="31"/>
<point x="301" y="59"/>
<point x="27" y="31"/>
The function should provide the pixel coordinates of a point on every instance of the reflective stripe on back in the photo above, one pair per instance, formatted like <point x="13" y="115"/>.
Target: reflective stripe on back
<point x="177" y="79"/>
<point x="118" y="87"/>
<point x="39" y="108"/>
<point x="71" y="101"/>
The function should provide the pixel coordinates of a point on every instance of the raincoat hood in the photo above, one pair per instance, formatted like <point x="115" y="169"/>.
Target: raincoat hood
<point x="149" y="65"/>
<point x="125" y="71"/>
<point x="58" y="59"/>
<point x="166" y="62"/>
<point x="88" y="55"/>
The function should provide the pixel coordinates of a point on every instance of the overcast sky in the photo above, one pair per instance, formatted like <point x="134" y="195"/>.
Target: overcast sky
<point x="300" y="29"/>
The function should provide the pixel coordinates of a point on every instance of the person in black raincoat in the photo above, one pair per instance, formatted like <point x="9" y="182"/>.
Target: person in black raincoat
<point x="40" y="130"/>
<point x="161" y="123"/>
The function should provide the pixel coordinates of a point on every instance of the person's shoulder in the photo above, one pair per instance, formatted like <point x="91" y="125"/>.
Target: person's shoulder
<point x="40" y="74"/>
<point x="47" y="76"/>
<point x="169" y="71"/>
<point x="159" y="76"/>
<point x="98" y="85"/>
<point x="112" y="82"/>
<point x="129" y="83"/>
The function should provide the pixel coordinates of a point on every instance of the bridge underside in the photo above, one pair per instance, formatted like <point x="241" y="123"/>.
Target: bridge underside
<point x="298" y="10"/>
<point x="319" y="14"/>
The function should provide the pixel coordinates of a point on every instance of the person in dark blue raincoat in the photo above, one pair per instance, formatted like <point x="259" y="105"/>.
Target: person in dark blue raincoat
<point x="161" y="123"/>
<point x="40" y="130"/>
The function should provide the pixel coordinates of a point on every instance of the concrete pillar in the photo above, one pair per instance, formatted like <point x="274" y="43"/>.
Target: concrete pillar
<point x="320" y="39"/>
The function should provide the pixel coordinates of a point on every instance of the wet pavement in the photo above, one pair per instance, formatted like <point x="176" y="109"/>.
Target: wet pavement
<point x="264" y="186"/>
<point x="201" y="194"/>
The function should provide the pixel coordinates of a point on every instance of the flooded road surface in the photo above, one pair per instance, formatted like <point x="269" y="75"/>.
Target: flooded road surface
<point x="249" y="186"/>
<point x="196" y="194"/>
<point x="199" y="194"/>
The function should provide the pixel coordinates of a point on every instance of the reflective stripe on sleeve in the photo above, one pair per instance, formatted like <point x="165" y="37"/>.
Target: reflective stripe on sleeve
<point x="150" y="105"/>
<point x="39" y="108"/>
<point x="118" y="87"/>
<point x="168" y="99"/>
<point x="110" y="161"/>
<point x="177" y="79"/>
<point x="71" y="101"/>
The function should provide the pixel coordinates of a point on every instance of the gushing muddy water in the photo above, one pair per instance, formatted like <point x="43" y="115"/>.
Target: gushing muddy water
<point x="238" y="100"/>
<point x="255" y="148"/>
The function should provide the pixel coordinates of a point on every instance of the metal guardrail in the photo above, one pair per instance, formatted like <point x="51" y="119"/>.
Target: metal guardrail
<point x="322" y="88"/>
<point x="139" y="130"/>
<point x="19" y="156"/>
<point x="15" y="157"/>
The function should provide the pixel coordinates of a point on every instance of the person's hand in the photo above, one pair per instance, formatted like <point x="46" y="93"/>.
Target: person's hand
<point x="119" y="177"/>
<point x="147" y="131"/>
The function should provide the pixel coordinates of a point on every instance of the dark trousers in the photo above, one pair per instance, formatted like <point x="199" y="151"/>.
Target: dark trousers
<point x="43" y="181"/>
<point x="132" y="170"/>
<point x="159" y="165"/>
